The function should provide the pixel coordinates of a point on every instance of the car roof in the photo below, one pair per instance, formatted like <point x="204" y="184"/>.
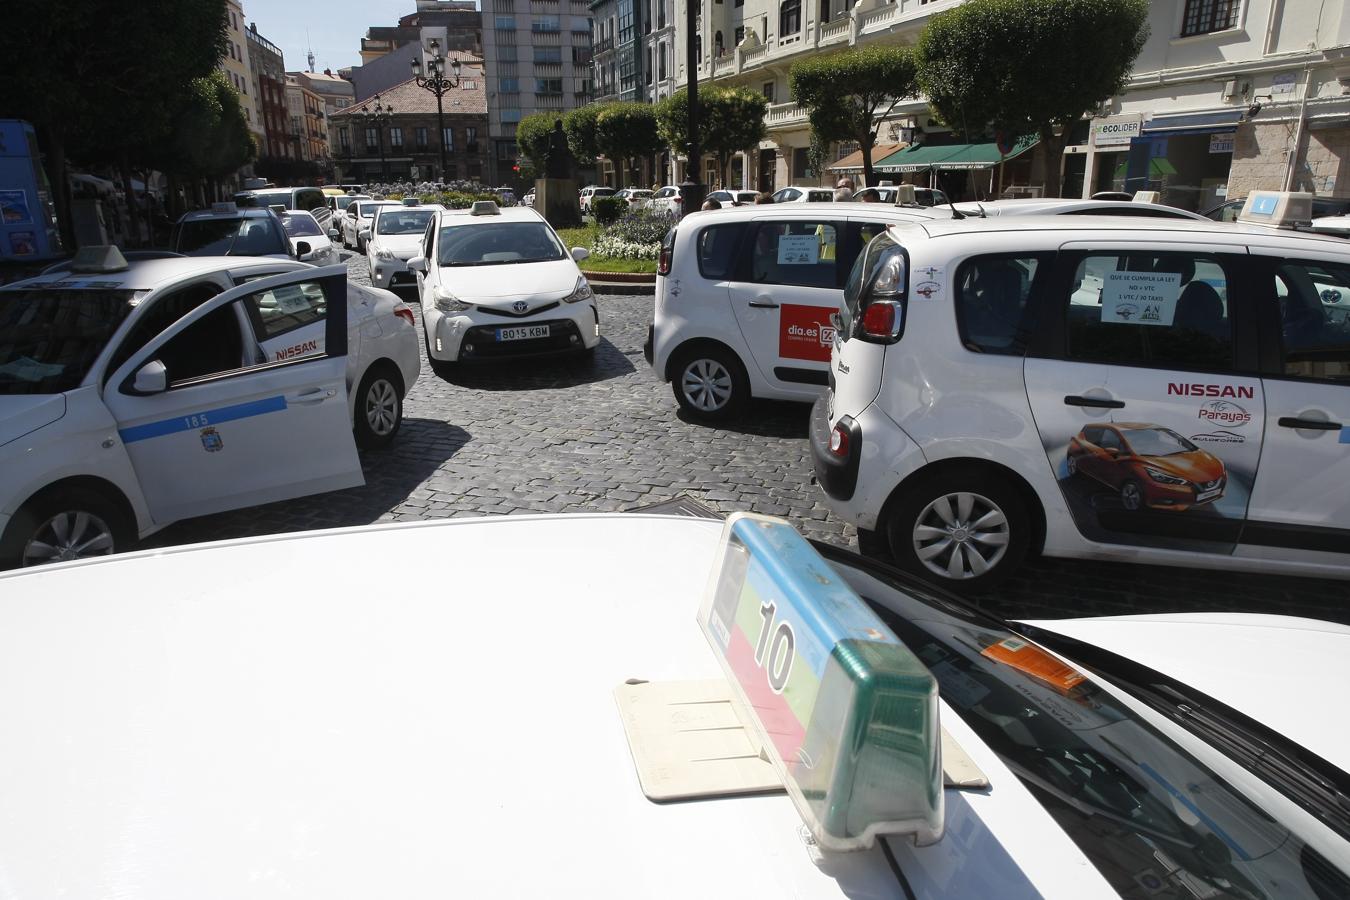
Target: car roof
<point x="898" y="214"/>
<point x="1033" y="205"/>
<point x="505" y="214"/>
<point x="150" y="274"/>
<point x="242" y="212"/>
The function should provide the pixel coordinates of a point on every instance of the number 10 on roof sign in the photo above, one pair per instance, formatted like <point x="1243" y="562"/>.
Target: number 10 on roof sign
<point x="846" y="714"/>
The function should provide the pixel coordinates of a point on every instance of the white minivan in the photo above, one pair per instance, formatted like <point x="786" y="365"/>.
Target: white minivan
<point x="1141" y="390"/>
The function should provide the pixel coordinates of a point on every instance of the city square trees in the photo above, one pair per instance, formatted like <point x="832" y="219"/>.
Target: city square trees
<point x="731" y="120"/>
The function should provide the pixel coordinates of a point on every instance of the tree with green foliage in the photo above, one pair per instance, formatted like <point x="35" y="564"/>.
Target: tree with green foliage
<point x="69" y="73"/>
<point x="731" y="120"/>
<point x="626" y="131"/>
<point x="1029" y="66"/>
<point x="579" y="124"/>
<point x="532" y="137"/>
<point x="846" y="94"/>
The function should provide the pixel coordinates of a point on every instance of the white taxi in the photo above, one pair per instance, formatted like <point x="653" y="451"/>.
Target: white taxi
<point x="498" y="283"/>
<point x="717" y="711"/>
<point x="309" y="242"/>
<point x="1145" y="390"/>
<point x="360" y="215"/>
<point x="393" y="238"/>
<point x="136" y="394"/>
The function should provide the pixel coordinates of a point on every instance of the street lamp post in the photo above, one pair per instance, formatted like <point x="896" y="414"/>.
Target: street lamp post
<point x="435" y="81"/>
<point x="691" y="190"/>
<point x="379" y="116"/>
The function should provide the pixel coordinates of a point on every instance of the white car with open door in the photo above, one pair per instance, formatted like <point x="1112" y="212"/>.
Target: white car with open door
<point x="1131" y="389"/>
<point x="136" y="394"/>
<point x="309" y="242"/>
<point x="499" y="284"/>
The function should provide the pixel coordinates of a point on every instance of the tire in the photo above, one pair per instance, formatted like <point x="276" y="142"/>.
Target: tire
<point x="1131" y="497"/>
<point x="62" y="525"/>
<point x="963" y="529"/>
<point x="379" y="408"/>
<point x="710" y="383"/>
<point x="1072" y="466"/>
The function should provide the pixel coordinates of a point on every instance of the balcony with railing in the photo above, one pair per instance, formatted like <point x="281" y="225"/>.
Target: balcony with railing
<point x="835" y="32"/>
<point x="724" y="64"/>
<point x="548" y="101"/>
<point x="785" y="114"/>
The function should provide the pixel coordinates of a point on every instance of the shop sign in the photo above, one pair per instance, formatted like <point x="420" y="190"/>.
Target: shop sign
<point x="1283" y="83"/>
<point x="1117" y="130"/>
<point x="1221" y="143"/>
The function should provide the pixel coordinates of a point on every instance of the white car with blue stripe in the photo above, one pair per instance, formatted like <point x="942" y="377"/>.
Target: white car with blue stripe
<point x="136" y="394"/>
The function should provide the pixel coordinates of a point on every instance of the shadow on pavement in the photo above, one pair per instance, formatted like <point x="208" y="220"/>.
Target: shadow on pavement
<point x="422" y="447"/>
<point x="542" y="372"/>
<point x="763" y="418"/>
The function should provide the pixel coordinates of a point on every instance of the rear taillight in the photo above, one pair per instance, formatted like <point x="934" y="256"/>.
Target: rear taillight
<point x="663" y="263"/>
<point x="880" y="319"/>
<point x="677" y="199"/>
<point x="404" y="312"/>
<point x="839" y="442"/>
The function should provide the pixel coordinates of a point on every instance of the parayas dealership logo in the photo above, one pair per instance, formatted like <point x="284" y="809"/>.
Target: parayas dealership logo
<point x="1224" y="413"/>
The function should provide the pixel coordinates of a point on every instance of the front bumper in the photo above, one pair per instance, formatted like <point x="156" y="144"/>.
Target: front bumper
<point x="389" y="273"/>
<point x="475" y="336"/>
<point x="838" y="476"/>
<point x="1181" y="496"/>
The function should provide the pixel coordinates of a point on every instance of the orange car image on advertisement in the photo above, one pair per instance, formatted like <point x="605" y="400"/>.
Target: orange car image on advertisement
<point x="1148" y="465"/>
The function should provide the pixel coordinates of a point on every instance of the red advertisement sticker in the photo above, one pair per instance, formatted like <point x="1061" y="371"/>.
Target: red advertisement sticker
<point x="805" y="332"/>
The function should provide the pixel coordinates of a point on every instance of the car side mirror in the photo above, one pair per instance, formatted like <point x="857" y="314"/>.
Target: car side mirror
<point x="151" y="378"/>
<point x="1112" y="452"/>
<point x="334" y="234"/>
<point x="418" y="264"/>
<point x="365" y="234"/>
<point x="580" y="253"/>
<point x="303" y="249"/>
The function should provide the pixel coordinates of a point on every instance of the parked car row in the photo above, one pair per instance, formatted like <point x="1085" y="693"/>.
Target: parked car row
<point x="1035" y="380"/>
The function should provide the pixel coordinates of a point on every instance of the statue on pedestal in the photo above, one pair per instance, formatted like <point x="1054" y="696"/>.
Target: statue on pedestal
<point x="559" y="156"/>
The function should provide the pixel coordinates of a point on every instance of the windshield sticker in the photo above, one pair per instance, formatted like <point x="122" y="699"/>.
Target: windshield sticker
<point x="26" y="368"/>
<point x="290" y="299"/>
<point x="798" y="250"/>
<point x="1140" y="298"/>
<point x="1032" y="660"/>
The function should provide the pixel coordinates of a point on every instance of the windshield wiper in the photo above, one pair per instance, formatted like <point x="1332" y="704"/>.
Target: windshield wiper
<point x="1301" y="775"/>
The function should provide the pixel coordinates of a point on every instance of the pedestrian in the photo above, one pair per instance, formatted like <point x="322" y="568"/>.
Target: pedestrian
<point x="845" y="182"/>
<point x="763" y="197"/>
<point x="869" y="195"/>
<point x="842" y="194"/>
<point x="709" y="205"/>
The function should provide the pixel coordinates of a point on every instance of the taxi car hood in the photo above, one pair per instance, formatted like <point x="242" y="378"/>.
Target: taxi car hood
<point x="537" y="282"/>
<point x="1194" y="465"/>
<point x="22" y="414"/>
<point x="404" y="246"/>
<point x="1257" y="664"/>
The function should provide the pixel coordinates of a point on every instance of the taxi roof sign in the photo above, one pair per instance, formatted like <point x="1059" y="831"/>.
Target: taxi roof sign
<point x="484" y="208"/>
<point x="100" y="258"/>
<point x="224" y="206"/>
<point x="847" y="714"/>
<point x="1281" y="209"/>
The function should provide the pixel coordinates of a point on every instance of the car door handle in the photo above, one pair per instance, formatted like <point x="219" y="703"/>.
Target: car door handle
<point x="1093" y="402"/>
<point x="1309" y="424"/>
<point x="309" y="398"/>
<point x="763" y="304"/>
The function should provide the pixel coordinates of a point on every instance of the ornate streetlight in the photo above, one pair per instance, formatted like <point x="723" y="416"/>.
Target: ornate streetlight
<point x="378" y="116"/>
<point x="435" y="81"/>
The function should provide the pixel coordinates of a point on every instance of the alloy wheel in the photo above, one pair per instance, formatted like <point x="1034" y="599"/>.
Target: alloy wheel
<point x="382" y="407"/>
<point x="961" y="535"/>
<point x="1130" y="496"/>
<point x="68" y="535"/>
<point x="707" y="384"/>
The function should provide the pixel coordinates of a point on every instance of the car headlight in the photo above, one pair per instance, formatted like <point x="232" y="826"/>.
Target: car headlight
<point x="383" y="253"/>
<point x="1162" y="477"/>
<point x="581" y="292"/>
<point x="447" y="302"/>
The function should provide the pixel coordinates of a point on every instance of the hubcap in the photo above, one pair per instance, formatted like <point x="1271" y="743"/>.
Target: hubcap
<point x="382" y="407"/>
<point x="961" y="535"/>
<point x="707" y="384"/>
<point x="66" y="536"/>
<point x="1129" y="496"/>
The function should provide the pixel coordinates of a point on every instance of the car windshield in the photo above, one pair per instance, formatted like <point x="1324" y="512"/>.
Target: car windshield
<point x="368" y="209"/>
<point x="254" y="236"/>
<point x="1156" y="441"/>
<point x="50" y="338"/>
<point x="499" y="243"/>
<point x="1134" y="800"/>
<point x="301" y="225"/>
<point x="403" y="221"/>
<point x="265" y="199"/>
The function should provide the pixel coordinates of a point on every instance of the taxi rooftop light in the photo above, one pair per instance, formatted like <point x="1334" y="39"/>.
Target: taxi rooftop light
<point x="411" y="201"/>
<point x="105" y="258"/>
<point x="1281" y="209"/>
<point x="847" y="715"/>
<point x="484" y="208"/>
<point x="225" y="206"/>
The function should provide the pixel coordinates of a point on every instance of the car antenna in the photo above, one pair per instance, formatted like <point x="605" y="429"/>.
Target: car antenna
<point x="956" y="213"/>
<point x="980" y="207"/>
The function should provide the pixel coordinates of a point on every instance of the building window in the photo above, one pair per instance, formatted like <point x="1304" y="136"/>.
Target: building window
<point x="650" y="67"/>
<point x="625" y="21"/>
<point x="372" y="139"/>
<point x="469" y="85"/>
<point x="448" y="139"/>
<point x="548" y="55"/>
<point x="506" y="23"/>
<point x="471" y="141"/>
<point x="396" y="138"/>
<point x="475" y="170"/>
<point x="719" y="49"/>
<point x="661" y="62"/>
<point x="740" y="36"/>
<point x="509" y="85"/>
<point x="1206" y="16"/>
<point x="506" y="52"/>
<point x="420" y="137"/>
<point x="768" y="91"/>
<point x="548" y="85"/>
<point x="510" y="116"/>
<point x="507" y="150"/>
<point x="789" y="18"/>
<point x="546" y="24"/>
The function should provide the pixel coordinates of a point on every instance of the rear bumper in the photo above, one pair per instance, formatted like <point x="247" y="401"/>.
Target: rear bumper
<point x="649" y="348"/>
<point x="838" y="476"/>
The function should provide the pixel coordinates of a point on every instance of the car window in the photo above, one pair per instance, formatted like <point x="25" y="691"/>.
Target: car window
<point x="1314" y="300"/>
<point x="800" y="253"/>
<point x="50" y="337"/>
<point x="210" y="346"/>
<point x="820" y="196"/>
<point x="1164" y="310"/>
<point x="300" y="225"/>
<point x="309" y="200"/>
<point x="717" y="249"/>
<point x="403" y="221"/>
<point x="991" y="301"/>
<point x="498" y="243"/>
<point x="157" y="315"/>
<point x="251" y="236"/>
<point x="1107" y="439"/>
<point x="276" y="311"/>
<point x="429" y="240"/>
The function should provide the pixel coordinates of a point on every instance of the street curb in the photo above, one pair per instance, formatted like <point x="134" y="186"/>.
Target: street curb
<point x="621" y="287"/>
<point x="621" y="277"/>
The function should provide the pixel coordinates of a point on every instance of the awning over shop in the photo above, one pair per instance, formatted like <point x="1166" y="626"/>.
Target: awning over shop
<point x="853" y="162"/>
<point x="1195" y="123"/>
<point x="951" y="157"/>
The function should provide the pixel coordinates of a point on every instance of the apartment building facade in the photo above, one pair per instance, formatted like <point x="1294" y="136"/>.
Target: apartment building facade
<point x="235" y="64"/>
<point x="308" y="125"/>
<point x="267" y="77"/>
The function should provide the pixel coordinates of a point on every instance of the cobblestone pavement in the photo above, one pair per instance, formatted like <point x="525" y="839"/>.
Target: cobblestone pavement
<point x="603" y="434"/>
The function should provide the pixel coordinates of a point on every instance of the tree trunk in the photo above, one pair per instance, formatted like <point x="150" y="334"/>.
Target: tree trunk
<point x="866" y="144"/>
<point x="1045" y="164"/>
<point x="60" y="185"/>
<point x="723" y="161"/>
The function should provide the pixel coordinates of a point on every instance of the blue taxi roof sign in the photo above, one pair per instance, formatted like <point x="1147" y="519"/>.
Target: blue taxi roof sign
<point x="846" y="713"/>
<point x="1281" y="209"/>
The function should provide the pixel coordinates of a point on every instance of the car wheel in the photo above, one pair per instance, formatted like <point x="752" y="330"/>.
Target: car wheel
<point x="64" y="525"/>
<point x="1131" y="496"/>
<point x="379" y="409"/>
<point x="710" y="384"/>
<point x="963" y="530"/>
<point x="1073" y="465"/>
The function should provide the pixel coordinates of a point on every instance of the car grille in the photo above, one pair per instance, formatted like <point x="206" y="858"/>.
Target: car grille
<point x="563" y="336"/>
<point x="506" y="313"/>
